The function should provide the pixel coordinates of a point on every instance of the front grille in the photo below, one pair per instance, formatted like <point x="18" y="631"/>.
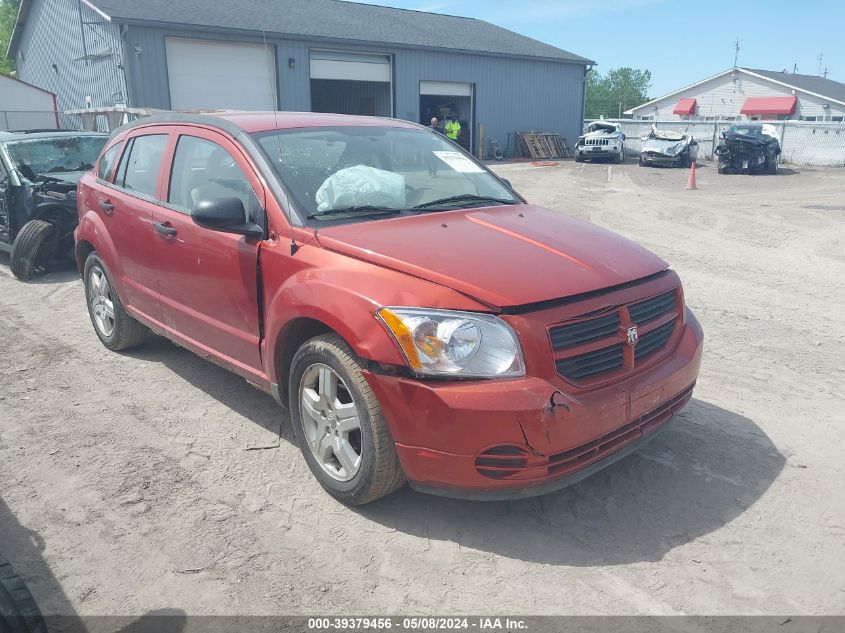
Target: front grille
<point x="654" y="340"/>
<point x="590" y="347"/>
<point x="653" y="308"/>
<point x="586" y="365"/>
<point x="596" y="141"/>
<point x="584" y="332"/>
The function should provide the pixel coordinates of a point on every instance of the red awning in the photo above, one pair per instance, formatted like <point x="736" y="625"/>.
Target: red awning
<point x="769" y="105"/>
<point x="685" y="107"/>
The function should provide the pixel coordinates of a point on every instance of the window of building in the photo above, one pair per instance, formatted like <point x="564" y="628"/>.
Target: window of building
<point x="808" y="118"/>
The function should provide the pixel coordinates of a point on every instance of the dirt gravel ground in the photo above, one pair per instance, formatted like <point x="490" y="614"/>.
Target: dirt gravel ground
<point x="154" y="479"/>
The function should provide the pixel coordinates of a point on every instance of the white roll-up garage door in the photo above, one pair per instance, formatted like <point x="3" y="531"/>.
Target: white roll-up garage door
<point x="343" y="66"/>
<point x="220" y="75"/>
<point x="445" y="88"/>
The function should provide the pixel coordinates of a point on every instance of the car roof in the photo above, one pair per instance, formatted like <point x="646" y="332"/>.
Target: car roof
<point x="20" y="136"/>
<point x="251" y="122"/>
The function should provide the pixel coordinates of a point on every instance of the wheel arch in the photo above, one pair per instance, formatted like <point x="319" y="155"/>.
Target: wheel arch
<point x="289" y="340"/>
<point x="92" y="235"/>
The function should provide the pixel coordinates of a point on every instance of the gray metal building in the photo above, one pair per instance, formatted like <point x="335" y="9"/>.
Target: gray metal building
<point x="299" y="55"/>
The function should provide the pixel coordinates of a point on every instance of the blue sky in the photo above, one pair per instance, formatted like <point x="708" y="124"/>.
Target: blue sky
<point x="680" y="42"/>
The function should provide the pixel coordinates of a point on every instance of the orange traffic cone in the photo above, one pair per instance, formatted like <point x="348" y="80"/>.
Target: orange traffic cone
<point x="691" y="181"/>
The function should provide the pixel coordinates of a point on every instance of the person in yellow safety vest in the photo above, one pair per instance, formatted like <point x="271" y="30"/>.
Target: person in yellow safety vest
<point x="452" y="129"/>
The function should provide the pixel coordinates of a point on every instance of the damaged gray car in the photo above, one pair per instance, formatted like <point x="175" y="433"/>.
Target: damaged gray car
<point x="667" y="149"/>
<point x="38" y="175"/>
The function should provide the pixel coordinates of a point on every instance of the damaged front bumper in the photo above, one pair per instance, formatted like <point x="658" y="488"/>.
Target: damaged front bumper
<point x="517" y="438"/>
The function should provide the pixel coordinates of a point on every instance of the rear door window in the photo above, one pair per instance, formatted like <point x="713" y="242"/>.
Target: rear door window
<point x="139" y="168"/>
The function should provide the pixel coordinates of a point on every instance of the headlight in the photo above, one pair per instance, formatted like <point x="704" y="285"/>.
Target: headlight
<point x="450" y="343"/>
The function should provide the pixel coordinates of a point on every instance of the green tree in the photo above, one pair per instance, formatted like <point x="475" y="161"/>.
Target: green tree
<point x="8" y="13"/>
<point x="620" y="88"/>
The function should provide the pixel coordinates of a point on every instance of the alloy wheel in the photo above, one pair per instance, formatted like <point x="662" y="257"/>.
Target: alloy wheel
<point x="101" y="301"/>
<point x="330" y="422"/>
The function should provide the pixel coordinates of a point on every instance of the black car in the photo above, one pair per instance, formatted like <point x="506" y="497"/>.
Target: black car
<point x="749" y="148"/>
<point x="38" y="174"/>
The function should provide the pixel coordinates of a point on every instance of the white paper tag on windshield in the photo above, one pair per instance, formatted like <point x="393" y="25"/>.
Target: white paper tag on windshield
<point x="459" y="162"/>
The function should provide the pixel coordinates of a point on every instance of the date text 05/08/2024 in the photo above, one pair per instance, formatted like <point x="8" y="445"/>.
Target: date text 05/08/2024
<point x="416" y="624"/>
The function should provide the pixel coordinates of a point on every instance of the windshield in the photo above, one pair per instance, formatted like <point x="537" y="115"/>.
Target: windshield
<point x="43" y="156"/>
<point x="346" y="173"/>
<point x="747" y="130"/>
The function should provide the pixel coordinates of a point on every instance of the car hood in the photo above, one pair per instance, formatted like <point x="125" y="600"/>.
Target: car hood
<point x="502" y="256"/>
<point x="668" y="147"/>
<point x="67" y="176"/>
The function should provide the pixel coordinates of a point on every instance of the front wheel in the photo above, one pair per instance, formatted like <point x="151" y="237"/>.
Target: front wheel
<point x="32" y="250"/>
<point x="772" y="165"/>
<point x="340" y="425"/>
<point x="113" y="325"/>
<point x="620" y="157"/>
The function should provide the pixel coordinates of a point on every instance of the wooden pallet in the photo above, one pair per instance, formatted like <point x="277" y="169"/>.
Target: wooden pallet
<point x="542" y="146"/>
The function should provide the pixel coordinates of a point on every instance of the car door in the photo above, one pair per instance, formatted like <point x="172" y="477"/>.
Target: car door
<point x="208" y="280"/>
<point x="126" y="194"/>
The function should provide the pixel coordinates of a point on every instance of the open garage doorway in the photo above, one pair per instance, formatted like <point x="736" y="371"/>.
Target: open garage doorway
<point x="444" y="99"/>
<point x="351" y="83"/>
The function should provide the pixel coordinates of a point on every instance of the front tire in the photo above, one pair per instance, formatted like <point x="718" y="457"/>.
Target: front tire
<point x="32" y="250"/>
<point x="113" y="325"/>
<point x="339" y="423"/>
<point x="772" y="165"/>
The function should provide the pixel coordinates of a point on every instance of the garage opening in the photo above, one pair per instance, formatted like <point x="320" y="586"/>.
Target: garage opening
<point x="351" y="83"/>
<point x="205" y="74"/>
<point x="449" y="100"/>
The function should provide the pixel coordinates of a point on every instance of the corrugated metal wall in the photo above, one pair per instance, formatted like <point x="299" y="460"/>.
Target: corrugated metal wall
<point x="510" y="94"/>
<point x="54" y="37"/>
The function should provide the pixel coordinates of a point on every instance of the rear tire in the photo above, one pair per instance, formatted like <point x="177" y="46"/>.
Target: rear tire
<point x="19" y="612"/>
<point x="32" y="250"/>
<point x="112" y="324"/>
<point x="372" y="470"/>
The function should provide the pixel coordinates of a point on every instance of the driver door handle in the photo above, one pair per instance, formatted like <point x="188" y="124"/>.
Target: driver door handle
<point x="106" y="206"/>
<point x="167" y="231"/>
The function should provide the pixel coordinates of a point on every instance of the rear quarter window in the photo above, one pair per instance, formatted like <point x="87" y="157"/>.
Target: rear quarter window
<point x="107" y="162"/>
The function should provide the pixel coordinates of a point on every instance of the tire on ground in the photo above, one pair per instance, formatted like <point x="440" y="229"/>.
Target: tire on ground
<point x="18" y="611"/>
<point x="380" y="472"/>
<point x="127" y="332"/>
<point x="28" y="259"/>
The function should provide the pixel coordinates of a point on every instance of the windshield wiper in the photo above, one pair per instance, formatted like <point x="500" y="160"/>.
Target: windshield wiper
<point x="366" y="209"/>
<point x="466" y="197"/>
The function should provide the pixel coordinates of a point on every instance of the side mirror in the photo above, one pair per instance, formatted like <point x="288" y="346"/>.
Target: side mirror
<point x="226" y="215"/>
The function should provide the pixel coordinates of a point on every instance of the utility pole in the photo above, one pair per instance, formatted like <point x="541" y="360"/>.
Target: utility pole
<point x="819" y="58"/>
<point x="736" y="52"/>
<point x="825" y="72"/>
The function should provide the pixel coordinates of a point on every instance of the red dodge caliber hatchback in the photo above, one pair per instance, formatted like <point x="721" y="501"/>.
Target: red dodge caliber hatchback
<point x="420" y="320"/>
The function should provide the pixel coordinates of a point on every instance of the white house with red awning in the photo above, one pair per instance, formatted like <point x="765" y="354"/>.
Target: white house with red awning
<point x="750" y="94"/>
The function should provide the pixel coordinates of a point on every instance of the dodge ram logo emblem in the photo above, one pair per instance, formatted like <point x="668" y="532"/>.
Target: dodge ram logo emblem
<point x="633" y="336"/>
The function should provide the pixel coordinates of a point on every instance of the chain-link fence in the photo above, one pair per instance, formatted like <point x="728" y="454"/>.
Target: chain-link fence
<point x="803" y="143"/>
